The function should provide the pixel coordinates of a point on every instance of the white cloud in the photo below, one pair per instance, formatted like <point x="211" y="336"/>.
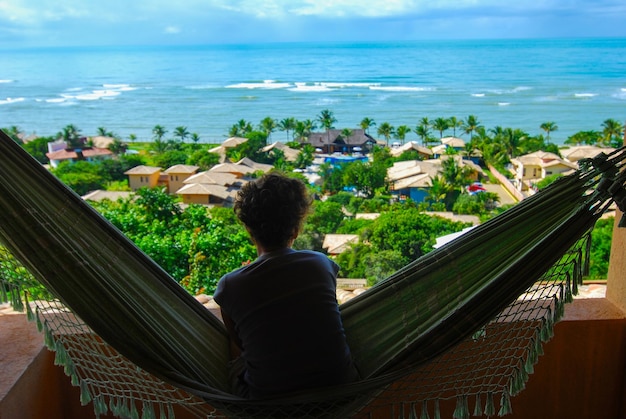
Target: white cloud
<point x="213" y="21"/>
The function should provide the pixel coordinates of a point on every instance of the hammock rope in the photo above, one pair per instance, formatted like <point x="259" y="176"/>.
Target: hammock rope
<point x="442" y="309"/>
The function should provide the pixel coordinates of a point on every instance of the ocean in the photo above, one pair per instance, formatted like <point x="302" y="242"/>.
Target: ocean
<point x="576" y="83"/>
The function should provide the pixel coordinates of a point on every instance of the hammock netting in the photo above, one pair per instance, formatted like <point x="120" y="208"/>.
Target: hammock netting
<point x="464" y="322"/>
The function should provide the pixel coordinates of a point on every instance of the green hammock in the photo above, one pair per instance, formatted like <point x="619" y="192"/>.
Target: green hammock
<point x="134" y="340"/>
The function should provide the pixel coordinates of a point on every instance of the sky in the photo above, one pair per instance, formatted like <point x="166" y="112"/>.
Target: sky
<point x="39" y="23"/>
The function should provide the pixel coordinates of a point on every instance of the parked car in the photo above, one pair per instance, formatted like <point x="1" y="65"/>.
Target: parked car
<point x="476" y="187"/>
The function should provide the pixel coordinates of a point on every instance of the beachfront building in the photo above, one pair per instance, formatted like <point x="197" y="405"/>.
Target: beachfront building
<point x="177" y="175"/>
<point x="210" y="188"/>
<point x="333" y="141"/>
<point x="58" y="151"/>
<point x="412" y="179"/>
<point x="457" y="144"/>
<point x="242" y="168"/>
<point x="531" y="168"/>
<point x="143" y="177"/>
<point x="424" y="153"/>
<point x="291" y="154"/>
<point x="576" y="153"/>
<point x="231" y="142"/>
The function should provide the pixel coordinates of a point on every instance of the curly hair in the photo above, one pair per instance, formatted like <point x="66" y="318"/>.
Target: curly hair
<point x="273" y="208"/>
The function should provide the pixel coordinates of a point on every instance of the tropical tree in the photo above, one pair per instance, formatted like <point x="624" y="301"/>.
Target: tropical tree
<point x="549" y="127"/>
<point x="38" y="148"/>
<point x="181" y="133"/>
<point x="423" y="132"/>
<point x="439" y="189"/>
<point x="346" y="133"/>
<point x="158" y="145"/>
<point x="71" y="135"/>
<point x="241" y="129"/>
<point x="611" y="132"/>
<point x="366" y="124"/>
<point x="102" y="131"/>
<point x="327" y="119"/>
<point x="470" y="125"/>
<point x="441" y="124"/>
<point x="401" y="133"/>
<point x="132" y="137"/>
<point x="287" y="125"/>
<point x="268" y="126"/>
<point x="584" y="137"/>
<point x="305" y="157"/>
<point x="386" y="130"/>
<point x="454" y="123"/>
<point x="303" y="129"/>
<point x="14" y="132"/>
<point x="195" y="138"/>
<point x="158" y="132"/>
<point x="456" y="175"/>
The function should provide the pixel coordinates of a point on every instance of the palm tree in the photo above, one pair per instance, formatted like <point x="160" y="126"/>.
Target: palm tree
<point x="386" y="130"/>
<point x="195" y="138"/>
<point x="158" y="132"/>
<point x="441" y="124"/>
<point x="366" y="124"/>
<point x="610" y="130"/>
<point x="103" y="132"/>
<point x="132" y="137"/>
<point x="346" y="133"/>
<point x="303" y="129"/>
<point x="548" y="127"/>
<point x="401" y="132"/>
<point x="423" y="132"/>
<point x="470" y="125"/>
<point x="240" y="129"/>
<point x="438" y="190"/>
<point x="327" y="119"/>
<point x="71" y="135"/>
<point x="454" y="123"/>
<point x="287" y="125"/>
<point x="182" y="133"/>
<point x="268" y="125"/>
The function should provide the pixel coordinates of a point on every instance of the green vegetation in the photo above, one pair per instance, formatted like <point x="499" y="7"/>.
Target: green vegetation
<point x="197" y="245"/>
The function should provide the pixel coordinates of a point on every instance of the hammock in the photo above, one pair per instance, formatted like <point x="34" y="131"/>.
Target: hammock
<point x="135" y="341"/>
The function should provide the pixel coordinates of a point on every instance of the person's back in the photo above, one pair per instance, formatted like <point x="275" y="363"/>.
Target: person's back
<point x="281" y="310"/>
<point x="285" y="311"/>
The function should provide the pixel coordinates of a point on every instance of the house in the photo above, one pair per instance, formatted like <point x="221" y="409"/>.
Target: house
<point x="143" y="177"/>
<point x="206" y="194"/>
<point x="577" y="153"/>
<point x="291" y="154"/>
<point x="413" y="178"/>
<point x="210" y="188"/>
<point x="333" y="141"/>
<point x="242" y="168"/>
<point x="177" y="174"/>
<point x="335" y="244"/>
<point x="101" y="195"/>
<point x="424" y="152"/>
<point x="455" y="143"/>
<point x="58" y="151"/>
<point x="231" y="142"/>
<point x="531" y="168"/>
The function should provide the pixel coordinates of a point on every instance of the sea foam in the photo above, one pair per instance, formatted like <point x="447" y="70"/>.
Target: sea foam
<point x="11" y="100"/>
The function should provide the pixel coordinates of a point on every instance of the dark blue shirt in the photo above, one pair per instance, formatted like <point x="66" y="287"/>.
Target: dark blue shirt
<point x="285" y="312"/>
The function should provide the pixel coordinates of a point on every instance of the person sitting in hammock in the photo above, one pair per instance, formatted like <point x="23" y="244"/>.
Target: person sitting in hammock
<point x="281" y="310"/>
